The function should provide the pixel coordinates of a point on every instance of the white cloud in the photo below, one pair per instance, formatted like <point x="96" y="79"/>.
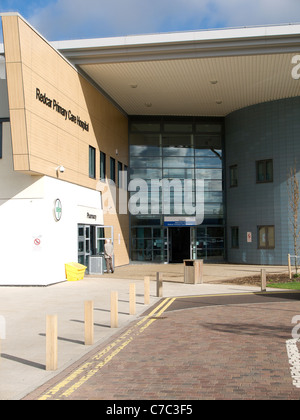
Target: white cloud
<point x="67" y="19"/>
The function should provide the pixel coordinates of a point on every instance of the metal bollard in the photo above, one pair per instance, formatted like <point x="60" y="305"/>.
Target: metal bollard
<point x="263" y="280"/>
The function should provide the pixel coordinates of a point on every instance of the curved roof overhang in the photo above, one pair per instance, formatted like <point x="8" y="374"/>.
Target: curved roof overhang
<point x="203" y="73"/>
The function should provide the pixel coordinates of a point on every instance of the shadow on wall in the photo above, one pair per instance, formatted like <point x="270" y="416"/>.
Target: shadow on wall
<point x="14" y="185"/>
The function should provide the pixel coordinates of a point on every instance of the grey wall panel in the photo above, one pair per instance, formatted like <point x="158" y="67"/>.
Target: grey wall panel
<point x="265" y="131"/>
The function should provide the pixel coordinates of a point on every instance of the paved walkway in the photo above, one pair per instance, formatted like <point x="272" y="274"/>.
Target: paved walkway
<point x="208" y="352"/>
<point x="174" y="272"/>
<point x="22" y="364"/>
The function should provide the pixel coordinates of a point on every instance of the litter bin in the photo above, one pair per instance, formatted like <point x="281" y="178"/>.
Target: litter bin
<point x="193" y="271"/>
<point x="75" y="271"/>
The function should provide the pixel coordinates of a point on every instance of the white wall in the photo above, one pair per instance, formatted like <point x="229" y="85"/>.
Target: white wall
<point x="27" y="213"/>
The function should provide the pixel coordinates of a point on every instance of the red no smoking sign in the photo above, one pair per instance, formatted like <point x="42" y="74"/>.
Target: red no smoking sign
<point x="37" y="243"/>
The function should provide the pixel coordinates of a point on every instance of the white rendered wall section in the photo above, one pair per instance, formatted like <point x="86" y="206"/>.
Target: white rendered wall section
<point x="34" y="247"/>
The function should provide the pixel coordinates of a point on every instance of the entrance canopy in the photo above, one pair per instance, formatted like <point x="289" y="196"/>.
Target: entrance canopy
<point x="204" y="73"/>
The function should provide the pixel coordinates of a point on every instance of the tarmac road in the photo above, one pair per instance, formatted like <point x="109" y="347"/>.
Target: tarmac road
<point x="229" y="346"/>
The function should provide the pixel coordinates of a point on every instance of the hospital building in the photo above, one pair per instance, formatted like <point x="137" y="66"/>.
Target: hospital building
<point x="174" y="146"/>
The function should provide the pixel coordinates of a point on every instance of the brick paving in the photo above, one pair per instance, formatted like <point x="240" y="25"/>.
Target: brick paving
<point x="211" y="352"/>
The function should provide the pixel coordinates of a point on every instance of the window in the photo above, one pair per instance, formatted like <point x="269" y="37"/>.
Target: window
<point x="235" y="237"/>
<point x="233" y="176"/>
<point x="266" y="237"/>
<point x="113" y="169"/>
<point x="92" y="161"/>
<point x="102" y="166"/>
<point x="2" y="120"/>
<point x="264" y="171"/>
<point x="120" y="168"/>
<point x="125" y="176"/>
<point x="0" y="140"/>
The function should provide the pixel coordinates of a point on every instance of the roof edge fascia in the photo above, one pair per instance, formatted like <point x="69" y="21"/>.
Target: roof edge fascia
<point x="187" y="36"/>
<point x="179" y="45"/>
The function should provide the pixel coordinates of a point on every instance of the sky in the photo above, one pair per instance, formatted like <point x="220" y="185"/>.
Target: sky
<point x="79" y="19"/>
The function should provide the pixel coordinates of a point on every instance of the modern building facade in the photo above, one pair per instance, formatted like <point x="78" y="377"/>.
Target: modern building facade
<point x="175" y="146"/>
<point x="51" y="191"/>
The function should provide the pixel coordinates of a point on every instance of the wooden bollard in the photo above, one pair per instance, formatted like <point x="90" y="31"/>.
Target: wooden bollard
<point x="263" y="280"/>
<point x="147" y="290"/>
<point x="289" y="266"/>
<point x="51" y="342"/>
<point x="114" y="310"/>
<point x="132" y="308"/>
<point x="159" y="285"/>
<point x="89" y="323"/>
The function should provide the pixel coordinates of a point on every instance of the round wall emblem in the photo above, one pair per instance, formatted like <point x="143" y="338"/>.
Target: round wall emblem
<point x="57" y="210"/>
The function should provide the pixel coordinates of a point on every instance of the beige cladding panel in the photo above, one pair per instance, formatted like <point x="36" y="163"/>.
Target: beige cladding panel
<point x="42" y="131"/>
<point x="18" y="131"/>
<point x="44" y="100"/>
<point x="21" y="163"/>
<point x="68" y="152"/>
<point x="94" y="103"/>
<point x="37" y="54"/>
<point x="15" y="83"/>
<point x="11" y="39"/>
<point x="52" y="133"/>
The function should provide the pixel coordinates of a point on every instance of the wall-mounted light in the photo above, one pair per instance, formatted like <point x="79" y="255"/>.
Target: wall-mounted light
<point x="60" y="169"/>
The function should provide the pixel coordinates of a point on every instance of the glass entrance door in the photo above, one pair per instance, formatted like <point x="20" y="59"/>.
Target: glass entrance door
<point x="103" y="233"/>
<point x="207" y="243"/>
<point x="100" y="240"/>
<point x="91" y="240"/>
<point x="193" y="243"/>
<point x="84" y="244"/>
<point x="180" y="244"/>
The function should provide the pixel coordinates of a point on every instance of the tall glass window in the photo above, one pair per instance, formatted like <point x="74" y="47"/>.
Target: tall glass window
<point x="102" y="166"/>
<point x="235" y="237"/>
<point x="233" y="179"/>
<point x="266" y="237"/>
<point x="0" y="140"/>
<point x="113" y="169"/>
<point x="92" y="162"/>
<point x="264" y="171"/>
<point x="2" y="120"/>
<point x="180" y="152"/>
<point x="120" y="169"/>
